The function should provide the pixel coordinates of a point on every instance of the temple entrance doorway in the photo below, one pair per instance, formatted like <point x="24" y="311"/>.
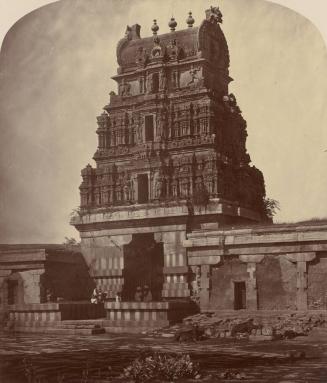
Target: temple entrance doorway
<point x="143" y="265"/>
<point x="239" y="295"/>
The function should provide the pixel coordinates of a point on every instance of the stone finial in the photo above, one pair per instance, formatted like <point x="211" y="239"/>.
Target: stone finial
<point x="128" y="32"/>
<point x="135" y="32"/>
<point x="190" y="20"/>
<point x="214" y="15"/>
<point x="155" y="27"/>
<point x="172" y="24"/>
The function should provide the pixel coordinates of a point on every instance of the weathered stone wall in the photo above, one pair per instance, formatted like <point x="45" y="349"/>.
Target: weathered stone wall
<point x="286" y="265"/>
<point x="222" y="283"/>
<point x="30" y="283"/>
<point x="103" y="251"/>
<point x="104" y="255"/>
<point x="276" y="283"/>
<point x="317" y="282"/>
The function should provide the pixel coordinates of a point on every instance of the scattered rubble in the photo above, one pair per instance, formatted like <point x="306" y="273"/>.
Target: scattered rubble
<point x="211" y="325"/>
<point x="189" y="333"/>
<point x="230" y="374"/>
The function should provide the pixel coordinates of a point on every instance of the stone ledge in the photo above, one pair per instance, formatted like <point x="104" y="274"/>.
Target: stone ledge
<point x="145" y="305"/>
<point x="153" y="211"/>
<point x="134" y="323"/>
<point x="15" y="256"/>
<point x="106" y="273"/>
<point x="38" y="312"/>
<point x="176" y="270"/>
<point x="59" y="330"/>
<point x="233" y="240"/>
<point x="173" y="293"/>
<point x="175" y="286"/>
<point x="34" y="307"/>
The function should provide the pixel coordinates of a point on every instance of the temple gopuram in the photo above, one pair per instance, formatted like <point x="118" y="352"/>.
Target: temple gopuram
<point x="171" y="158"/>
<point x="172" y="207"/>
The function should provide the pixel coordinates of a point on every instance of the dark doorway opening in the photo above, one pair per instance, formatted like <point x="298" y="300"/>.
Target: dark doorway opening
<point x="155" y="83"/>
<point x="143" y="265"/>
<point x="142" y="188"/>
<point x="239" y="295"/>
<point x="149" y="127"/>
<point x="12" y="292"/>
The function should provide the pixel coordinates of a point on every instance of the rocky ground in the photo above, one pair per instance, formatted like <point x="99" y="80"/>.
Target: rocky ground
<point x="209" y="325"/>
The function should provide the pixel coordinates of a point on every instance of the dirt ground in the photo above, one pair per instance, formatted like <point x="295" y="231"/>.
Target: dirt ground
<point x="101" y="358"/>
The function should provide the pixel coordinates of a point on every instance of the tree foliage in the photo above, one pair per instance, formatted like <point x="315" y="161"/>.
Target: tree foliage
<point x="70" y="241"/>
<point x="271" y="206"/>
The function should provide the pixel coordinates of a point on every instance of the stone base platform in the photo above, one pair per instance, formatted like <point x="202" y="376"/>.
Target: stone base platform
<point x="87" y="319"/>
<point x="136" y="317"/>
<point x="65" y="317"/>
<point x="93" y="328"/>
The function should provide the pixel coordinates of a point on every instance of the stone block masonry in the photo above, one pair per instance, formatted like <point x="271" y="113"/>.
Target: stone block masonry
<point x="270" y="267"/>
<point x="139" y="316"/>
<point x="65" y="318"/>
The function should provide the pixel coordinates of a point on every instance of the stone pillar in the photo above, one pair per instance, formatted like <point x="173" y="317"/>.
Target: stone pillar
<point x="205" y="287"/>
<point x="204" y="259"/>
<point x="31" y="286"/>
<point x="104" y="256"/>
<point x="251" y="283"/>
<point x="111" y="278"/>
<point x="301" y="260"/>
<point x="4" y="274"/>
<point x="175" y="264"/>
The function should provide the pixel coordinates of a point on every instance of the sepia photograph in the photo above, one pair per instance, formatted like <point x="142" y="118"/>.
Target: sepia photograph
<point x="163" y="191"/>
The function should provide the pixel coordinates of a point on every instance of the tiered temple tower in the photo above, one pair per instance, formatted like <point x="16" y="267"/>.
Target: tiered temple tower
<point x="171" y="158"/>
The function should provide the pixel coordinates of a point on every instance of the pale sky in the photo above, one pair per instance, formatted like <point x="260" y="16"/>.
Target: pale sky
<point x="55" y="78"/>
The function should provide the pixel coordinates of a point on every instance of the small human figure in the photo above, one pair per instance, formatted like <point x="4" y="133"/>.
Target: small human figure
<point x="138" y="296"/>
<point x="49" y="295"/>
<point x="100" y="295"/>
<point x="104" y="296"/>
<point x="147" y="295"/>
<point x="118" y="296"/>
<point x="95" y="296"/>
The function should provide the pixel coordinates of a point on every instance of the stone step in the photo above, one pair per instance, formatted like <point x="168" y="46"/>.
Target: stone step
<point x="127" y="330"/>
<point x="59" y="330"/>
<point x="84" y="321"/>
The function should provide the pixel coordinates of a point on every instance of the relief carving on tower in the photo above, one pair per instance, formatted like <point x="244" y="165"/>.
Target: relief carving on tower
<point x="173" y="131"/>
